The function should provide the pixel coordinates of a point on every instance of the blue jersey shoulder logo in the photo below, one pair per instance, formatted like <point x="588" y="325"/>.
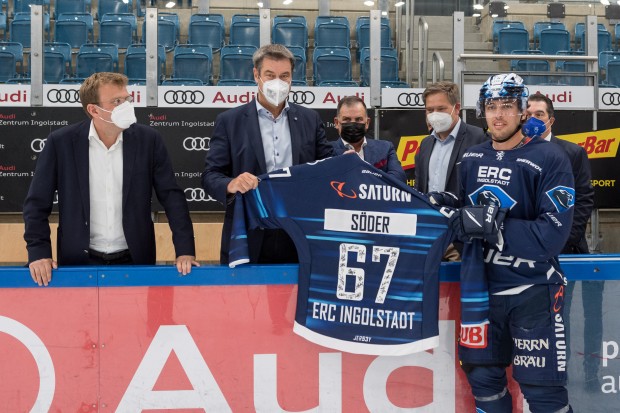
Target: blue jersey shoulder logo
<point x="562" y="197"/>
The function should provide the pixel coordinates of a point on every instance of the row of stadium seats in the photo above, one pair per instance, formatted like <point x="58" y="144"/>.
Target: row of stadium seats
<point x="195" y="61"/>
<point x="548" y="37"/>
<point x="79" y="6"/>
<point x="77" y="27"/>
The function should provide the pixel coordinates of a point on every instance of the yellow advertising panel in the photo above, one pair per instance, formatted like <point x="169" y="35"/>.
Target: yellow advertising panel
<point x="408" y="146"/>
<point x="598" y="144"/>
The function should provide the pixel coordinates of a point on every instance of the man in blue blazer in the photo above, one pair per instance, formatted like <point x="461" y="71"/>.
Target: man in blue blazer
<point x="352" y="122"/>
<point x="105" y="170"/>
<point x="450" y="138"/>
<point x="266" y="134"/>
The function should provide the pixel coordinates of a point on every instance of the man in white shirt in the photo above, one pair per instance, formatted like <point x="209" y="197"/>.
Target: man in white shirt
<point x="105" y="170"/>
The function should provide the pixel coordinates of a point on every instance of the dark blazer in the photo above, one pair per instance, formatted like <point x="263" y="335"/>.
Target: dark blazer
<point x="63" y="166"/>
<point x="468" y="136"/>
<point x="236" y="146"/>
<point x="378" y="153"/>
<point x="584" y="196"/>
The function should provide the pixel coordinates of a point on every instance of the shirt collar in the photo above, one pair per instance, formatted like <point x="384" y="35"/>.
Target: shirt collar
<point x="92" y="134"/>
<point x="265" y="112"/>
<point x="347" y="145"/>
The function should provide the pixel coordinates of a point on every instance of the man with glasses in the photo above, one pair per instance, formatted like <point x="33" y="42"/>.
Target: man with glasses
<point x="512" y="287"/>
<point x="104" y="170"/>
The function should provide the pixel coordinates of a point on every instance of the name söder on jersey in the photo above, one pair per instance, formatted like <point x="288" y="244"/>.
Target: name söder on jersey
<point x="370" y="222"/>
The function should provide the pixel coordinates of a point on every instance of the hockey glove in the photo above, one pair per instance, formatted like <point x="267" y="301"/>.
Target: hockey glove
<point x="443" y="199"/>
<point x="478" y="221"/>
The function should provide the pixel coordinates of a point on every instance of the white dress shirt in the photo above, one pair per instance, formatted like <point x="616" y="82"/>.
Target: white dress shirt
<point x="276" y="136"/>
<point x="105" y="184"/>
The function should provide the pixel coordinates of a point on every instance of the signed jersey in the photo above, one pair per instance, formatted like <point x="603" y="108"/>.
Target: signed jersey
<point x="369" y="249"/>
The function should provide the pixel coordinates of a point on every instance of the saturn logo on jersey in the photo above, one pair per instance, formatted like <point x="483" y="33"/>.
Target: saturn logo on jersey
<point x="339" y="187"/>
<point x="562" y="197"/>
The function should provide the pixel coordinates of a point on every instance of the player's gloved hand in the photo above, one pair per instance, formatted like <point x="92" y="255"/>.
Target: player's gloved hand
<point x="478" y="221"/>
<point x="443" y="199"/>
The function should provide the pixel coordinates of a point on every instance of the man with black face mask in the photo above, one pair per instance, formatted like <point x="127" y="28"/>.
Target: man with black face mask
<point x="352" y="123"/>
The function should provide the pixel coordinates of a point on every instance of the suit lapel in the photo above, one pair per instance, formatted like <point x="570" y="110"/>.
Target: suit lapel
<point x="80" y="154"/>
<point x="130" y="149"/>
<point x="295" y="133"/>
<point x="254" y="135"/>
<point x="456" y="150"/>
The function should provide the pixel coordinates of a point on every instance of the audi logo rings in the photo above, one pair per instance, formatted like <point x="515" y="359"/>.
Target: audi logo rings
<point x="197" y="195"/>
<point x="184" y="96"/>
<point x="611" y="98"/>
<point x="63" y="95"/>
<point x="37" y="145"/>
<point x="302" y="97"/>
<point x="196" y="144"/>
<point x="410" y="99"/>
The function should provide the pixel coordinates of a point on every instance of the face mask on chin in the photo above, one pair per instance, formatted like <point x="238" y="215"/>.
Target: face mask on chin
<point x="275" y="91"/>
<point x="440" y="121"/>
<point x="123" y="116"/>
<point x="352" y="132"/>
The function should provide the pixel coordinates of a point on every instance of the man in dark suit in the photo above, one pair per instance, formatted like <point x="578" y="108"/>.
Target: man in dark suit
<point x="266" y="134"/>
<point x="450" y="138"/>
<point x="352" y="122"/>
<point x="541" y="107"/>
<point x="104" y="170"/>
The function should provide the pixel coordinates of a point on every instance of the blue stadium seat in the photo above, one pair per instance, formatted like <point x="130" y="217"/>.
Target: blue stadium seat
<point x="21" y="6"/>
<point x="206" y="29"/>
<point x="245" y="30"/>
<point x="603" y="38"/>
<point x="514" y="63"/>
<point x="54" y="67"/>
<point x="331" y="64"/>
<point x="70" y="6"/>
<point x="299" y="71"/>
<point x="389" y="65"/>
<point x="182" y="82"/>
<point x="299" y="83"/>
<point x="65" y="50"/>
<point x="20" y="81"/>
<point x="332" y="33"/>
<point x="173" y="17"/>
<point x="20" y="32"/>
<point x="613" y="73"/>
<point x="112" y="6"/>
<point x="331" y="19"/>
<point x="84" y="17"/>
<point x="161" y="55"/>
<point x="362" y="32"/>
<point x="510" y="39"/>
<point x="236" y="63"/>
<point x="8" y="68"/>
<point x="604" y="58"/>
<point x="540" y="26"/>
<point x="580" y="33"/>
<point x="3" y="24"/>
<point x="118" y="32"/>
<point x="616" y="36"/>
<point x="109" y="48"/>
<point x="16" y="49"/>
<point x="125" y="17"/>
<point x="290" y="31"/>
<point x="238" y="82"/>
<point x="88" y="63"/>
<point x="193" y="62"/>
<point x="166" y="34"/>
<point x="74" y="32"/>
<point x="572" y="66"/>
<point x="338" y="83"/>
<point x="135" y="62"/>
<point x="554" y="40"/>
<point x="26" y="16"/>
<point x="532" y="66"/>
<point x="504" y="24"/>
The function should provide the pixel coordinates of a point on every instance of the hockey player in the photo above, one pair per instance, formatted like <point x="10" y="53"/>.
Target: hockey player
<point x="520" y="320"/>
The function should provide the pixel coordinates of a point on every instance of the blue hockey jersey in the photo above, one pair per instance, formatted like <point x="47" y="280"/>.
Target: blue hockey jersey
<point x="535" y="182"/>
<point x="369" y="248"/>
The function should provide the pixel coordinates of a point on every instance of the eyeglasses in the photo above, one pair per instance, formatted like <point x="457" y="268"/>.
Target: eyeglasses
<point x="120" y="101"/>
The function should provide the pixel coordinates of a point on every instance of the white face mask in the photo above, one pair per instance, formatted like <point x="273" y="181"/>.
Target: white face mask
<point x="275" y="91"/>
<point x="440" y="121"/>
<point x="122" y="116"/>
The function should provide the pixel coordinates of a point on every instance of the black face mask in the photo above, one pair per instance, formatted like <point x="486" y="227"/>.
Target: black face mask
<point x="352" y="132"/>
